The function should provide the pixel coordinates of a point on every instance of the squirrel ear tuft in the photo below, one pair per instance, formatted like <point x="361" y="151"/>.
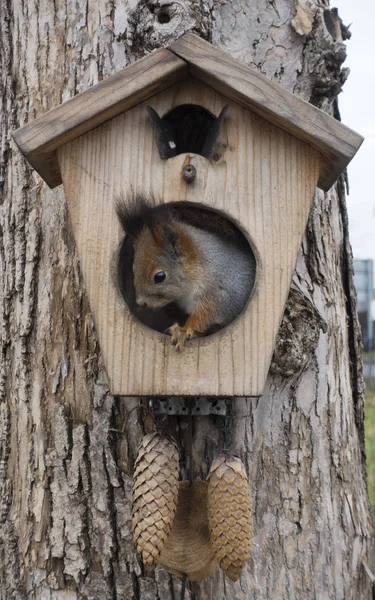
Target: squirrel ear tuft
<point x="172" y="241"/>
<point x="133" y="213"/>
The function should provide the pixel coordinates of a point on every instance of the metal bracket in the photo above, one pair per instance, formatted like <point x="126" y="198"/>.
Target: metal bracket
<point x="180" y="406"/>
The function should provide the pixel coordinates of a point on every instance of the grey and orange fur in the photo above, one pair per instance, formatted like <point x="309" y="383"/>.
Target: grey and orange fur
<point x="209" y="270"/>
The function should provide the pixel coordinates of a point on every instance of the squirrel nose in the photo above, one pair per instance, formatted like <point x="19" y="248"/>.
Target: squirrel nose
<point x="141" y="301"/>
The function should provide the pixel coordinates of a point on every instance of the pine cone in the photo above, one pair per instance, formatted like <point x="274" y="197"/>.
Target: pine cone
<point x="155" y="494"/>
<point x="229" y="514"/>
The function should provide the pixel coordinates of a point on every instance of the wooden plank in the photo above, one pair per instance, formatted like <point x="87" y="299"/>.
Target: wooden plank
<point x="336" y="142"/>
<point x="264" y="179"/>
<point x="39" y="140"/>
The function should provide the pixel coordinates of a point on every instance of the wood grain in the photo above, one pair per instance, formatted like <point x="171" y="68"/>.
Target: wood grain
<point x="39" y="140"/>
<point x="336" y="142"/>
<point x="264" y="180"/>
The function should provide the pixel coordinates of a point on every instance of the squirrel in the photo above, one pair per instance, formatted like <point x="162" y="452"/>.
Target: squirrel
<point x="191" y="257"/>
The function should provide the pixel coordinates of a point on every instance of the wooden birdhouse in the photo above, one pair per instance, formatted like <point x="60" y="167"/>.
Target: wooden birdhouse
<point x="257" y="164"/>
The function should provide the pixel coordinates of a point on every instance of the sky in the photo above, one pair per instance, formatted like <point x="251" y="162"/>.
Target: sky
<point x="356" y="104"/>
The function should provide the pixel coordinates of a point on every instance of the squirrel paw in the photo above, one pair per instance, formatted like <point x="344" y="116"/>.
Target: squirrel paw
<point x="179" y="335"/>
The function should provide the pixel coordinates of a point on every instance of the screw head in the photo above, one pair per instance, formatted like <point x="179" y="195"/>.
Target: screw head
<point x="189" y="173"/>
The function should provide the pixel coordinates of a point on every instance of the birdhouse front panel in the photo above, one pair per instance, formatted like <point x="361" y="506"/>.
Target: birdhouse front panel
<point x="260" y="177"/>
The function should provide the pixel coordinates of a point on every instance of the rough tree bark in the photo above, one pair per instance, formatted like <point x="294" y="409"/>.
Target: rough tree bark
<point x="67" y="446"/>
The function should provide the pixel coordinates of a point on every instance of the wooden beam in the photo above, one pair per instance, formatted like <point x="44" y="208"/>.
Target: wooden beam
<point x="336" y="142"/>
<point x="40" y="139"/>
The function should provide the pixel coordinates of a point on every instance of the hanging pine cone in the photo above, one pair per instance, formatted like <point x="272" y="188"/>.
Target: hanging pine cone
<point x="155" y="494"/>
<point x="229" y="514"/>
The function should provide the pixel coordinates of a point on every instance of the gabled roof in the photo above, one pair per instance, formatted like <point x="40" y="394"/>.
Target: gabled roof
<point x="188" y="56"/>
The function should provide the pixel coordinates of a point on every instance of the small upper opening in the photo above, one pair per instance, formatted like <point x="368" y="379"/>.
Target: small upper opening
<point x="191" y="124"/>
<point x="186" y="128"/>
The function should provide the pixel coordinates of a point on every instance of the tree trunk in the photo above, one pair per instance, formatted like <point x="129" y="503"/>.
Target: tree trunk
<point x="67" y="446"/>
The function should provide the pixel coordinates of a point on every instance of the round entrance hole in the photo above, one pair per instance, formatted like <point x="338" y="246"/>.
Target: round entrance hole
<point x="189" y="249"/>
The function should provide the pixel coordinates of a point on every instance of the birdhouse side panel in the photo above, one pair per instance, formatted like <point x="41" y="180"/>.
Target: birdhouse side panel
<point x="261" y="177"/>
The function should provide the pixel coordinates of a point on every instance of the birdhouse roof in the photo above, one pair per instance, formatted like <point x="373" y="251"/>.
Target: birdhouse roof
<point x="188" y="56"/>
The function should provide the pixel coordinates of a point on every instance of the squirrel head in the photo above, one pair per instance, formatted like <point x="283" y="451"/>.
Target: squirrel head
<point x="164" y="254"/>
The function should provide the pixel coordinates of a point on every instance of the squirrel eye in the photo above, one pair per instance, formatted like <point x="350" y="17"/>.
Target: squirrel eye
<point x="159" y="277"/>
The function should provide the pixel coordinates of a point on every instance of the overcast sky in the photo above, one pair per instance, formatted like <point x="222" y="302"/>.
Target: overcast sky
<point x="356" y="104"/>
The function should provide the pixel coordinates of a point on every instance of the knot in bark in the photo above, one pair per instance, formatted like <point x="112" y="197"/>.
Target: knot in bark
<point x="298" y="336"/>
